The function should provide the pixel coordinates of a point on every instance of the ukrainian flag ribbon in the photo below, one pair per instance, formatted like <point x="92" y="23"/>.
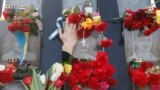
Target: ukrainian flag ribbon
<point x="22" y="38"/>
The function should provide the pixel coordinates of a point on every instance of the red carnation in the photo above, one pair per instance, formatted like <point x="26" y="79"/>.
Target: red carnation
<point x="100" y="28"/>
<point x="26" y="28"/>
<point x="5" y="14"/>
<point x="64" y="77"/>
<point x="74" y="18"/>
<point x="105" y="42"/>
<point x="19" y="25"/>
<point x="148" y="32"/>
<point x="76" y="88"/>
<point x="102" y="57"/>
<point x="140" y="78"/>
<point x="137" y="25"/>
<point x="145" y="65"/>
<point x="154" y="79"/>
<point x="27" y="80"/>
<point x="155" y="26"/>
<point x="93" y="83"/>
<point x="6" y="76"/>
<point x="27" y="21"/>
<point x="87" y="33"/>
<point x="11" y="27"/>
<point x="58" y="83"/>
<point x="112" y="82"/>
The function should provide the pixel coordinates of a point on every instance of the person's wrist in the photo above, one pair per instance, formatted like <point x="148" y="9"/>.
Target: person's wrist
<point x="67" y="48"/>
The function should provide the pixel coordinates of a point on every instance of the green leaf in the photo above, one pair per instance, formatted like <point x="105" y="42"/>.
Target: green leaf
<point x="36" y="82"/>
<point x="26" y="88"/>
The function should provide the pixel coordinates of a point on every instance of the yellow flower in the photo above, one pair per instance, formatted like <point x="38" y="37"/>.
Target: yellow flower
<point x="88" y="23"/>
<point x="67" y="68"/>
<point x="158" y="16"/>
<point x="97" y="20"/>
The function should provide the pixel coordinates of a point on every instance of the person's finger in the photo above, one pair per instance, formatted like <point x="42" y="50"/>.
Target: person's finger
<point x="74" y="27"/>
<point x="60" y="33"/>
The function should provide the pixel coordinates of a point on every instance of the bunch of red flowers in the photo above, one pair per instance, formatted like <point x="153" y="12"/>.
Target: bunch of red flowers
<point x="21" y="25"/>
<point x="26" y="20"/>
<point x="86" y="23"/>
<point x="6" y="76"/>
<point x="142" y="20"/>
<point x="95" y="74"/>
<point x="146" y="74"/>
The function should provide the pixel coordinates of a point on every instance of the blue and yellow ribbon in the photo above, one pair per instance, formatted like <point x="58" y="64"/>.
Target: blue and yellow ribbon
<point x="22" y="38"/>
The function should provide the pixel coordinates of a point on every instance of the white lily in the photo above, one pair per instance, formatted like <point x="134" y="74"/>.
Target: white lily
<point x="43" y="78"/>
<point x="2" y="67"/>
<point x="57" y="69"/>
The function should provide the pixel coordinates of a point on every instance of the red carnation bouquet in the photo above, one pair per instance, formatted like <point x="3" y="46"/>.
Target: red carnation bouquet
<point x="86" y="22"/>
<point x="145" y="20"/>
<point x="145" y="74"/>
<point x="94" y="74"/>
<point x="23" y="19"/>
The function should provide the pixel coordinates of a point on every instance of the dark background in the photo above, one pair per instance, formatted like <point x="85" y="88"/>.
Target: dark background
<point x="51" y="50"/>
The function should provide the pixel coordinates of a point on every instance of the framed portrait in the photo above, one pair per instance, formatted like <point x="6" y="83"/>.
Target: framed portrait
<point x="10" y="47"/>
<point x="136" y="44"/>
<point x="81" y="3"/>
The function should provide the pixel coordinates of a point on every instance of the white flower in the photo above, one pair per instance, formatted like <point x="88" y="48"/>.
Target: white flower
<point x="2" y="67"/>
<point x="57" y="69"/>
<point x="43" y="78"/>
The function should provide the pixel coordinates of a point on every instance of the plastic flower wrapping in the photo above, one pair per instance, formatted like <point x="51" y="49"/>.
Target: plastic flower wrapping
<point x="145" y="20"/>
<point x="145" y="74"/>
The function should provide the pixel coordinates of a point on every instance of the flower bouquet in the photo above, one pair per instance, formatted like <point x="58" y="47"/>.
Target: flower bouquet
<point x="145" y="20"/>
<point x="24" y="19"/>
<point x="145" y="74"/>
<point x="44" y="82"/>
<point x="93" y="74"/>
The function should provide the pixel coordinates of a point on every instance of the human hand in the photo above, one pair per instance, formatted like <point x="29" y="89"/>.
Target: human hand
<point x="69" y="37"/>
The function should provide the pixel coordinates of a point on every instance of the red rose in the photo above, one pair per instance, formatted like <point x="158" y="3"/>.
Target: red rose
<point x="74" y="18"/>
<point x="105" y="42"/>
<point x="100" y="28"/>
<point x="27" y="21"/>
<point x="58" y="83"/>
<point x="26" y="28"/>
<point x="27" y="80"/>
